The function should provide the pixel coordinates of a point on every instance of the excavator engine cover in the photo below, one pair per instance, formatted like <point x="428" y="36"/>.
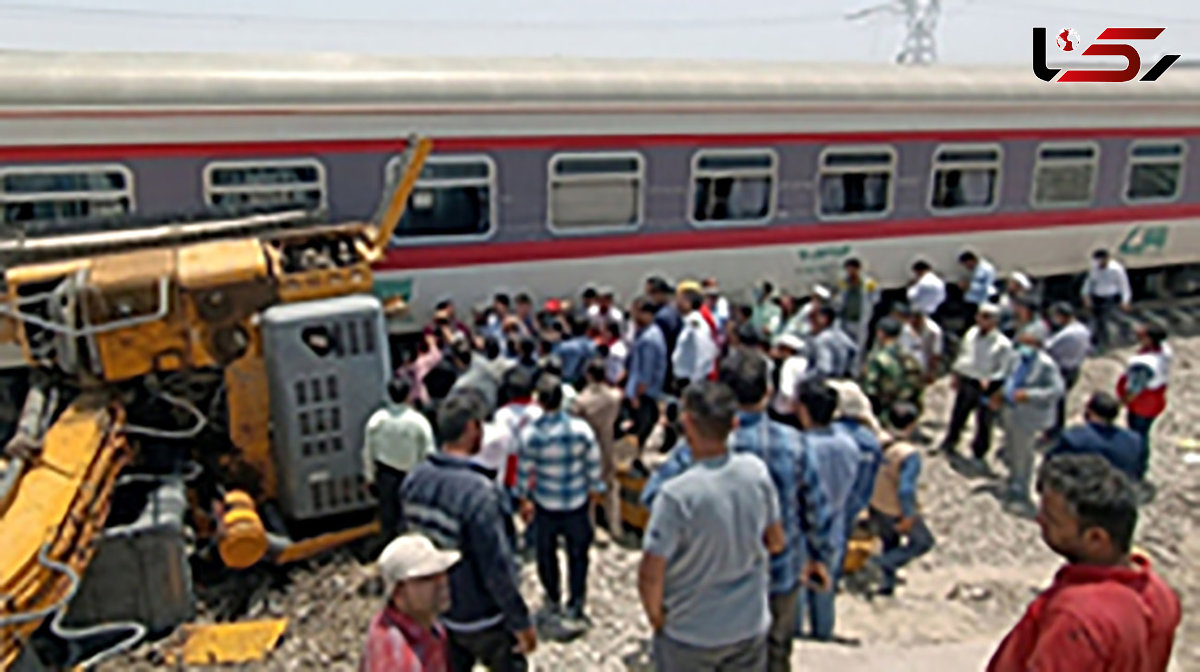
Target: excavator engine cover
<point x="327" y="366"/>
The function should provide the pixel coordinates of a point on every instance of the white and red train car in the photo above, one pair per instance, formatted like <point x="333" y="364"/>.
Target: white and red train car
<point x="551" y="173"/>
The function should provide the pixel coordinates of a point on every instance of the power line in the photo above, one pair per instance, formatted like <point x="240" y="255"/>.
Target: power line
<point x="1024" y="8"/>
<point x="67" y="10"/>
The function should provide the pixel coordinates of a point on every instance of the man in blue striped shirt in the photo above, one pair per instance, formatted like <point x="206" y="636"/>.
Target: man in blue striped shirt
<point x="558" y="475"/>
<point x="806" y="516"/>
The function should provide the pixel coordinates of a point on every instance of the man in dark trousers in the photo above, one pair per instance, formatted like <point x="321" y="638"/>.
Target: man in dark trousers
<point x="458" y="505"/>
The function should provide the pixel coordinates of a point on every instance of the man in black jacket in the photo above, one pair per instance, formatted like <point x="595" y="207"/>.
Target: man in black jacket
<point x="459" y="506"/>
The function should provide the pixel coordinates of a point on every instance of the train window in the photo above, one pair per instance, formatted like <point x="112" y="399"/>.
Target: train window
<point x="855" y="183"/>
<point x="63" y="193"/>
<point x="454" y="196"/>
<point x="265" y="184"/>
<point x="733" y="186"/>
<point x="965" y="178"/>
<point x="1155" y="171"/>
<point x="1065" y="174"/>
<point x="589" y="192"/>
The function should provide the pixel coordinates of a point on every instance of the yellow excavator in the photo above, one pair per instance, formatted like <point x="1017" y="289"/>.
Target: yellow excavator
<point x="195" y="388"/>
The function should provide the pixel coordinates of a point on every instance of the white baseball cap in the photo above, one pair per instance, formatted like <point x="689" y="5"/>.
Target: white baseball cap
<point x="413" y="556"/>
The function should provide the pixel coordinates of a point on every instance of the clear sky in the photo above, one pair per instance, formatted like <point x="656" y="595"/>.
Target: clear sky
<point x="970" y="31"/>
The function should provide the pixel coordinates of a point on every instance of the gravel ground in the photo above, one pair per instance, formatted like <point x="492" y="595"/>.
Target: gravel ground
<point x="986" y="567"/>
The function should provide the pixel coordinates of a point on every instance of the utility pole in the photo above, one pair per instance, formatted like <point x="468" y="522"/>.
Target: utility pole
<point x="921" y="18"/>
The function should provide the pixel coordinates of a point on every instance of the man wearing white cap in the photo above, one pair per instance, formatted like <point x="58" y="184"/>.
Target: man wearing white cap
<point x="979" y="373"/>
<point x="405" y="635"/>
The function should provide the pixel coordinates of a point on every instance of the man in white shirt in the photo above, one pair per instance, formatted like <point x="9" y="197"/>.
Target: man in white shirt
<point x="1106" y="286"/>
<point x="397" y="438"/>
<point x="927" y="291"/>
<point x="979" y="373"/>
<point x="695" y="355"/>
<point x="1068" y="346"/>
<point x="790" y="350"/>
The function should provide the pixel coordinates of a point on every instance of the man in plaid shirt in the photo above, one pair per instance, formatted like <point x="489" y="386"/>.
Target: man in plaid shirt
<point x="558" y="477"/>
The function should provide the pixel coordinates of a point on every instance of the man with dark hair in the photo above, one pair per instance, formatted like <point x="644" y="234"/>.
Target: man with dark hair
<point x="1099" y="435"/>
<point x="647" y="372"/>
<point x="457" y="504"/>
<point x="1143" y="385"/>
<point x="832" y="350"/>
<point x="857" y="295"/>
<point x="1106" y="287"/>
<point x="895" y="516"/>
<point x="927" y="291"/>
<point x="524" y="310"/>
<point x="695" y="355"/>
<point x="1068" y="347"/>
<point x="838" y="462"/>
<point x="599" y="404"/>
<point x="558" y="479"/>
<point x="703" y="578"/>
<point x="979" y="286"/>
<point x="793" y="467"/>
<point x="501" y="434"/>
<point x="1107" y="609"/>
<point x="474" y="373"/>
<point x="576" y="349"/>
<point x="977" y="375"/>
<point x="397" y="438"/>
<point x="892" y="375"/>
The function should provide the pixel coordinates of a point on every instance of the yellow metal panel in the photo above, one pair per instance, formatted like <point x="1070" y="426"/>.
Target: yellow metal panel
<point x="224" y="643"/>
<point x="249" y="403"/>
<point x="222" y="262"/>
<point x="324" y="283"/>
<point x="303" y="550"/>
<point x="133" y="270"/>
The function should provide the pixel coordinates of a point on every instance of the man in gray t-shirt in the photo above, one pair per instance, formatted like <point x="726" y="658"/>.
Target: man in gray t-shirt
<point x="704" y="573"/>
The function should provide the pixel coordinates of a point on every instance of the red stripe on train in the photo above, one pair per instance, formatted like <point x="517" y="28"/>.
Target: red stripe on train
<point x="212" y="150"/>
<point x="472" y="254"/>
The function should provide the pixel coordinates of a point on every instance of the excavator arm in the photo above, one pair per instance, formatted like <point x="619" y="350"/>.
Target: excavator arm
<point x="52" y="514"/>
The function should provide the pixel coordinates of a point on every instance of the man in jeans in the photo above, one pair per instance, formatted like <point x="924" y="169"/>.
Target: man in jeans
<point x="558" y="475"/>
<point x="895" y="515"/>
<point x="647" y="371"/>
<point x="458" y="505"/>
<point x="704" y="573"/>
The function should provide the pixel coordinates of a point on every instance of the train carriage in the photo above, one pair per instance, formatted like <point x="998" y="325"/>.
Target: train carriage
<point x="551" y="173"/>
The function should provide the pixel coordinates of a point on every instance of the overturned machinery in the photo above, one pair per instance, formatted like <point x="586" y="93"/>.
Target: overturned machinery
<point x="202" y="397"/>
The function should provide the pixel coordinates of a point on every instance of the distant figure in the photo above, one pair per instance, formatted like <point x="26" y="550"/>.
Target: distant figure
<point x="405" y="636"/>
<point x="1068" y="345"/>
<point x="599" y="404"/>
<point x="695" y="355"/>
<point x="979" y="285"/>
<point x="397" y="438"/>
<point x="977" y="375"/>
<point x="855" y="417"/>
<point x="1106" y="288"/>
<point x="647" y="371"/>
<point x="895" y="515"/>
<point x="927" y="291"/>
<point x="831" y="350"/>
<point x="704" y="575"/>
<point x="1107" y="611"/>
<point x="892" y="375"/>
<point x="1099" y="435"/>
<point x="855" y="304"/>
<point x="1026" y="404"/>
<point x="1143" y="386"/>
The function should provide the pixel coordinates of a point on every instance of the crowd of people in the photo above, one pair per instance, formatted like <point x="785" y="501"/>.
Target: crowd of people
<point x="769" y="432"/>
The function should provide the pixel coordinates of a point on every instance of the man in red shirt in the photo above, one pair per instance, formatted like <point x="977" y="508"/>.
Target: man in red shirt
<point x="405" y="635"/>
<point x="1107" y="611"/>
